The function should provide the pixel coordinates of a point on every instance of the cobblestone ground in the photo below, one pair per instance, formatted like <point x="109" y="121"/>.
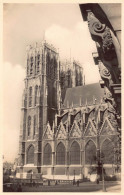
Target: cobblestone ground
<point x="83" y="187"/>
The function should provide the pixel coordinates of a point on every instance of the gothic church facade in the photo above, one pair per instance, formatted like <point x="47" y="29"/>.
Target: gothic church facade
<point x="65" y="125"/>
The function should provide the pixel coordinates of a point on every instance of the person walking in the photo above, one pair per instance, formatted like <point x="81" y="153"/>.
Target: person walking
<point x="78" y="183"/>
<point x="48" y="182"/>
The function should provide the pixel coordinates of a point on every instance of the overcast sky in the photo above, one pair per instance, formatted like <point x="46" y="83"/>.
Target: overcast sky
<point x="24" y="24"/>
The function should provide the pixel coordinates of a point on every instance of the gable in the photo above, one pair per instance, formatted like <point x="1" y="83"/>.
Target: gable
<point x="90" y="129"/>
<point x="61" y="132"/>
<point x="107" y="128"/>
<point x="75" y="130"/>
<point x="48" y="133"/>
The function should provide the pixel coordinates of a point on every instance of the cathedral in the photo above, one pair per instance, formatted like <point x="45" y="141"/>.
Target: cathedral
<point x="67" y="127"/>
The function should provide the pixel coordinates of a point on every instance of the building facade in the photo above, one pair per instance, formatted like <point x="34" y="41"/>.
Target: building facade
<point x="62" y="136"/>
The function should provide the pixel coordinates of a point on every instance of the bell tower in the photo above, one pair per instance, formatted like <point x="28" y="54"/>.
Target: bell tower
<point x="40" y="102"/>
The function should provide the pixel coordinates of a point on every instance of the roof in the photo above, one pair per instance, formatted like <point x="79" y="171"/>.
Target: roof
<point x="83" y="94"/>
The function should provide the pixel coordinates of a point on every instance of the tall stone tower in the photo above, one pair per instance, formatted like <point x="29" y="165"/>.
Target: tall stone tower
<point x="40" y="102"/>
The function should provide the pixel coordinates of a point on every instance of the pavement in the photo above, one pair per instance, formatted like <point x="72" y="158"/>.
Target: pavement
<point x="83" y="187"/>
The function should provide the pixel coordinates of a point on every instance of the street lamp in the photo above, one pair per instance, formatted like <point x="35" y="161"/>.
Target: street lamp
<point x="103" y="180"/>
<point x="74" y="178"/>
<point x="74" y="174"/>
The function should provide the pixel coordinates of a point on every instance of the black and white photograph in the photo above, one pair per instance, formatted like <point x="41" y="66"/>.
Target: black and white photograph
<point x="61" y="96"/>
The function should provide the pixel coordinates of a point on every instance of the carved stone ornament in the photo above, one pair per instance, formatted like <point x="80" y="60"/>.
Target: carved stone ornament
<point x="101" y="33"/>
<point x="48" y="133"/>
<point x="90" y="131"/>
<point x="61" y="134"/>
<point x="104" y="73"/>
<point x="75" y="131"/>
<point x="94" y="24"/>
<point x="107" y="41"/>
<point x="108" y="94"/>
<point x="106" y="129"/>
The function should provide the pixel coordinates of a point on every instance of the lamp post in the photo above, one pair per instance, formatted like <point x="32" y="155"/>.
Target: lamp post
<point x="74" y="174"/>
<point x="74" y="178"/>
<point x="103" y="179"/>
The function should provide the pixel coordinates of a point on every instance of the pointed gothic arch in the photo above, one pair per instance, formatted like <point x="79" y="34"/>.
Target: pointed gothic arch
<point x="38" y="63"/>
<point x="47" y="160"/>
<point x="29" y="125"/>
<point x="60" y="154"/>
<point x="30" y="96"/>
<point x="31" y="65"/>
<point x="35" y="95"/>
<point x="75" y="153"/>
<point x="107" y="150"/>
<point x="90" y="152"/>
<point x="30" y="154"/>
<point x="35" y="125"/>
<point x="48" y="63"/>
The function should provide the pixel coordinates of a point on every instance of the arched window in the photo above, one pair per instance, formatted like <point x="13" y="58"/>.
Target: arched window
<point x="90" y="153"/>
<point x="30" y="96"/>
<point x="47" y="155"/>
<point x="34" y="125"/>
<point x="48" y="63"/>
<point x="55" y="68"/>
<point x="75" y="153"/>
<point x="28" y="66"/>
<point x="36" y="93"/>
<point x="60" y="154"/>
<point x="29" y="125"/>
<point x="31" y="66"/>
<point x="30" y="155"/>
<point x="107" y="151"/>
<point x="38" y="63"/>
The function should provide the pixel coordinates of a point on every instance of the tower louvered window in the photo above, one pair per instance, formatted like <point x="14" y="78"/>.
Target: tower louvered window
<point x="34" y="132"/>
<point x="36" y="94"/>
<point x="31" y="66"/>
<point x="27" y="66"/>
<point x="38" y="63"/>
<point x="29" y="125"/>
<point x="30" y="96"/>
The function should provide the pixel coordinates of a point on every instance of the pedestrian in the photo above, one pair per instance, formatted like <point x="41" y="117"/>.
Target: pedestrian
<point x="48" y="182"/>
<point x="19" y="188"/>
<point x="33" y="183"/>
<point x="73" y="182"/>
<point x="97" y="181"/>
<point x="56" y="182"/>
<point x="78" y="183"/>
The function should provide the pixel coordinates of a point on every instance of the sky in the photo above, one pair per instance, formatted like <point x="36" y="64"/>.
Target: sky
<point x="24" y="24"/>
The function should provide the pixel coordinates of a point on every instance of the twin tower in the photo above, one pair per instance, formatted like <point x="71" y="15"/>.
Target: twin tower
<point x="46" y="81"/>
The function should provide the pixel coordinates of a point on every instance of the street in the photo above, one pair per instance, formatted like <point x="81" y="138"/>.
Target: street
<point x="83" y="187"/>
